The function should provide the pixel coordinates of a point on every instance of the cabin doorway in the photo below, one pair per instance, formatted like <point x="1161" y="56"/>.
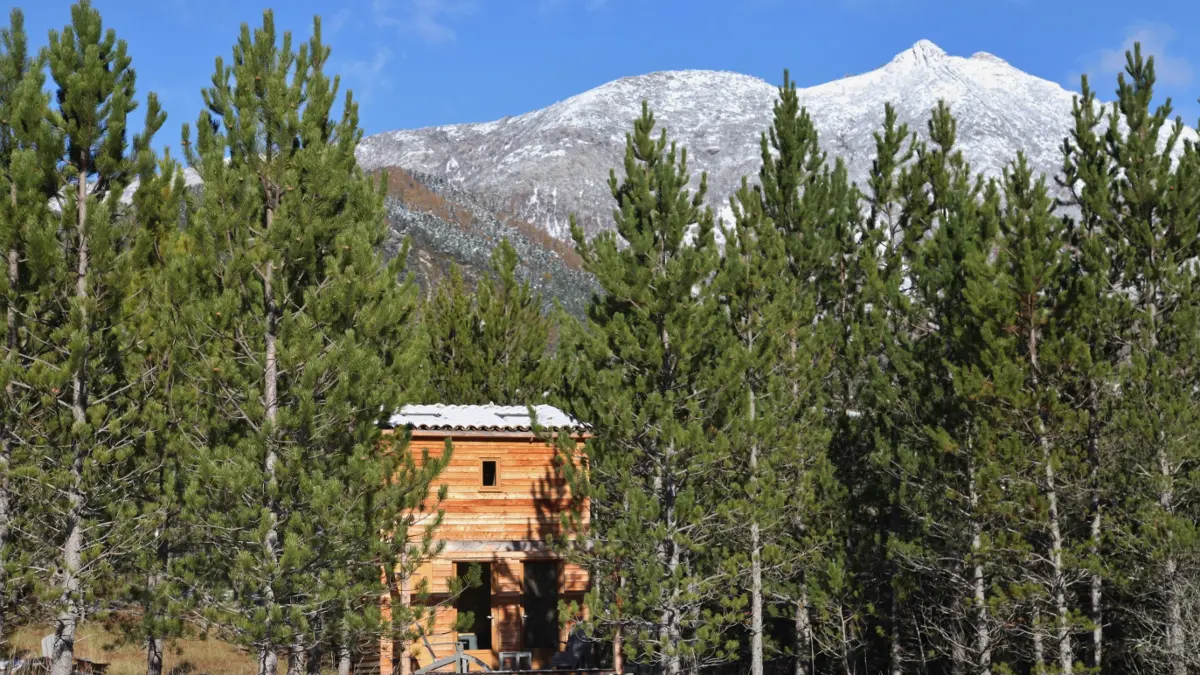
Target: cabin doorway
<point x="478" y="601"/>
<point x="540" y="604"/>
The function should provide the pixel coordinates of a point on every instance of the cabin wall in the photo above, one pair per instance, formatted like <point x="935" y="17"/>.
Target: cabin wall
<point x="526" y="503"/>
<point x="503" y="525"/>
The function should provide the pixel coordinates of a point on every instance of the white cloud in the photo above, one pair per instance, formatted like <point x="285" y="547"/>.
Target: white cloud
<point x="338" y="21"/>
<point x="368" y="76"/>
<point x="428" y="19"/>
<point x="1170" y="70"/>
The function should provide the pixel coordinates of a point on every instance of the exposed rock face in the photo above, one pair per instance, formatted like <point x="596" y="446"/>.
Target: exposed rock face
<point x="446" y="225"/>
<point x="546" y="164"/>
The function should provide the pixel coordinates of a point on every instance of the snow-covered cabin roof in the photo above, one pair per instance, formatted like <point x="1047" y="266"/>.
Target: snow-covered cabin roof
<point x="482" y="418"/>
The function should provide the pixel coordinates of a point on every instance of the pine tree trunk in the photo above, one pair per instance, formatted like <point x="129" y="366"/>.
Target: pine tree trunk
<point x="401" y="663"/>
<point x="72" y="557"/>
<point x="268" y="659"/>
<point x="983" y="637"/>
<point x="618" y="638"/>
<point x="756" y="581"/>
<point x="895" y="647"/>
<point x="312" y="660"/>
<point x="801" y="620"/>
<point x="671" y="630"/>
<point x="154" y="642"/>
<point x="1166" y="502"/>
<point x="1058" y="577"/>
<point x="618" y="646"/>
<point x="756" y="602"/>
<point x="958" y="652"/>
<point x="804" y="634"/>
<point x="895" y="655"/>
<point x="1039" y="649"/>
<point x="296" y="663"/>
<point x="1176" y="644"/>
<point x="405" y="601"/>
<point x="399" y="596"/>
<point x="1097" y="609"/>
<point x="6" y="435"/>
<point x="847" y="630"/>
<point x="343" y="664"/>
<point x="5" y="529"/>
<point x="154" y="655"/>
<point x="1066" y="653"/>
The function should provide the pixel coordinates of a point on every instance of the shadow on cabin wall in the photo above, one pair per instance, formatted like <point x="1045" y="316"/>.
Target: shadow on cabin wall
<point x="532" y="585"/>
<point x="517" y="606"/>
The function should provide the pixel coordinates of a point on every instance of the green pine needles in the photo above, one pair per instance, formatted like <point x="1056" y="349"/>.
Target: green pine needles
<point x="301" y="338"/>
<point x="492" y="344"/>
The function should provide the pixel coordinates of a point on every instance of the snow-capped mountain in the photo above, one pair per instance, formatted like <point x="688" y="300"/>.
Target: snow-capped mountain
<point x="548" y="163"/>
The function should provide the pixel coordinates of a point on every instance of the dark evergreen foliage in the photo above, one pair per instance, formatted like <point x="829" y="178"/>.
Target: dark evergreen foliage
<point x="491" y="345"/>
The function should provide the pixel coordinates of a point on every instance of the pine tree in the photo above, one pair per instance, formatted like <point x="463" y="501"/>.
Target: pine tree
<point x="1027" y="322"/>
<point x="302" y="337"/>
<point x="28" y="152"/>
<point x="492" y="346"/>
<point x="89" y="433"/>
<point x="1094" y="310"/>
<point x="411" y="519"/>
<point x="1152" y="201"/>
<point x="163" y="513"/>
<point x="874" y="355"/>
<point x="749" y="282"/>
<point x="638" y="378"/>
<point x="449" y="322"/>
<point x="780" y="483"/>
<point x="958" y="468"/>
<point x="816" y="211"/>
<point x="792" y="167"/>
<point x="837" y="287"/>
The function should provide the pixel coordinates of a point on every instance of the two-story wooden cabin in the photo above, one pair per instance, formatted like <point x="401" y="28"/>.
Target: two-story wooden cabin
<point x="505" y="498"/>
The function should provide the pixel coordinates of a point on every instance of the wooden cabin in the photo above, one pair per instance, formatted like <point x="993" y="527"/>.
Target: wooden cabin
<point x="504" y="499"/>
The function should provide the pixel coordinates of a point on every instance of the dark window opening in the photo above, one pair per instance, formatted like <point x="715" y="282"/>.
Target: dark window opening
<point x="540" y="604"/>
<point x="476" y="600"/>
<point x="489" y="473"/>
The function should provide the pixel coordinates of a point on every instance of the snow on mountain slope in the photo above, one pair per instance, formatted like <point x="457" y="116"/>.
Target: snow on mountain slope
<point x="548" y="163"/>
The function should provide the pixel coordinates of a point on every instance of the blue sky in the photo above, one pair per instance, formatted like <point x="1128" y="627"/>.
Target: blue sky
<point x="415" y="63"/>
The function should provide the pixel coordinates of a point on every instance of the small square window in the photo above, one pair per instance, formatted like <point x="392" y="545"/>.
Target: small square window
<point x="489" y="473"/>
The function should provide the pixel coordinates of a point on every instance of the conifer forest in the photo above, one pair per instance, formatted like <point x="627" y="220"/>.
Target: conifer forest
<point x="933" y="423"/>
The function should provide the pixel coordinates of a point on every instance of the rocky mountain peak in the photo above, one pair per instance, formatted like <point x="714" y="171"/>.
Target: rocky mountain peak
<point x="547" y="164"/>
<point x="986" y="56"/>
<point x="923" y="52"/>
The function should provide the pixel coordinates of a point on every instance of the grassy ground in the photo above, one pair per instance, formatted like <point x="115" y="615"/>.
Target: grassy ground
<point x="190" y="657"/>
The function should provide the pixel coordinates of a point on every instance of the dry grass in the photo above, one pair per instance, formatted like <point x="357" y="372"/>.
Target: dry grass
<point x="192" y="657"/>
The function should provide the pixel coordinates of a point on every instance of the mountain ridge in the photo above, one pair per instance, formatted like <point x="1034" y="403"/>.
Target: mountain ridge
<point x="548" y="163"/>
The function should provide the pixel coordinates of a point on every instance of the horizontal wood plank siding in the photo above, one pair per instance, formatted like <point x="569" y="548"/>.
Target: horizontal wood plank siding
<point x="503" y="526"/>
